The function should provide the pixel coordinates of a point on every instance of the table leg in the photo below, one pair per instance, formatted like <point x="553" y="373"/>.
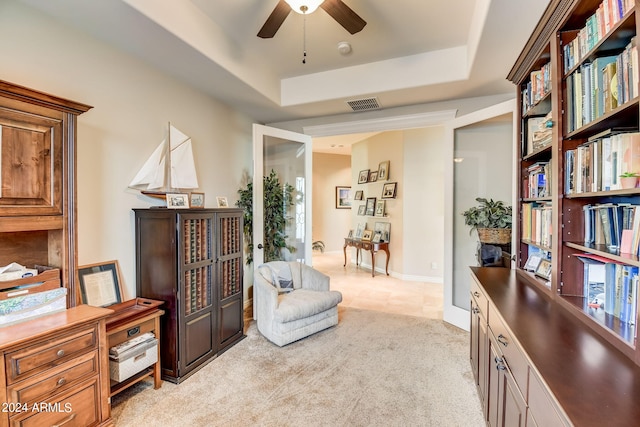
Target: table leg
<point x="345" y="254"/>
<point x="373" y="262"/>
<point x="388" y="256"/>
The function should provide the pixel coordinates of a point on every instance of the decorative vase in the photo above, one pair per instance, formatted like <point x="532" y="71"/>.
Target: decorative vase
<point x="629" y="181"/>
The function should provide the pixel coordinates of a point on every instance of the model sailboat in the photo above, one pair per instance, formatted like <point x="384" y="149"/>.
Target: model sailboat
<point x="169" y="169"/>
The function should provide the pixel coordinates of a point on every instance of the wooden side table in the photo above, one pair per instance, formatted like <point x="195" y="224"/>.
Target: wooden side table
<point x="129" y="320"/>
<point x="372" y="247"/>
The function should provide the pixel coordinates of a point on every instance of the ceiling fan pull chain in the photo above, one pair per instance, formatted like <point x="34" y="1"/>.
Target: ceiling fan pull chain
<point x="304" y="38"/>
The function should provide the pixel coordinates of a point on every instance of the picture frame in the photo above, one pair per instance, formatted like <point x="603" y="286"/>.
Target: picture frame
<point x="343" y="197"/>
<point x="100" y="284"/>
<point x="362" y="209"/>
<point x="350" y="235"/>
<point x="177" y="200"/>
<point x="366" y="235"/>
<point x="377" y="237"/>
<point x="370" y="206"/>
<point x="363" y="177"/>
<point x="384" y="228"/>
<point x="389" y="190"/>
<point x="222" y="202"/>
<point x="359" y="195"/>
<point x="544" y="269"/>
<point x="380" y="204"/>
<point x="383" y="171"/>
<point x="373" y="176"/>
<point x="532" y="262"/>
<point x="360" y="229"/>
<point x="196" y="200"/>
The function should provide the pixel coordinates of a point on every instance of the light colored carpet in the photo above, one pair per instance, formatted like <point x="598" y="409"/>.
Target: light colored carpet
<point x="373" y="369"/>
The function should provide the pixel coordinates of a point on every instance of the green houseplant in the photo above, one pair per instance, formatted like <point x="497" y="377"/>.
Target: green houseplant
<point x="492" y="220"/>
<point x="629" y="180"/>
<point x="278" y="199"/>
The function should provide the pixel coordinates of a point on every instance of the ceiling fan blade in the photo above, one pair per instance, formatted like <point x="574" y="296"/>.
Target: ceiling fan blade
<point x="275" y="20"/>
<point x="344" y="15"/>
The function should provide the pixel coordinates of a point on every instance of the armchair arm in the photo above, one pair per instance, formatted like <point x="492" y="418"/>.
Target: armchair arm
<point x="265" y="297"/>
<point x="313" y="279"/>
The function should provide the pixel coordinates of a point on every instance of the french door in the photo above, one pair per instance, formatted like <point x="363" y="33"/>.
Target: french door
<point x="284" y="156"/>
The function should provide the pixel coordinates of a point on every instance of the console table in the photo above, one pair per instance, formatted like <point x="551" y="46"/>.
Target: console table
<point x="372" y="247"/>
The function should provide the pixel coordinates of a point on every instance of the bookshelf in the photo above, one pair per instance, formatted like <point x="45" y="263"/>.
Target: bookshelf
<point x="580" y="45"/>
<point x="192" y="260"/>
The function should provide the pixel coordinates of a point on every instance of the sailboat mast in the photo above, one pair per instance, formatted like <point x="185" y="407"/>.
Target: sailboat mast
<point x="167" y="163"/>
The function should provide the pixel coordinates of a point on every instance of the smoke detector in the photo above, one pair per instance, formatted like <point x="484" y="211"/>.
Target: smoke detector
<point x="344" y="48"/>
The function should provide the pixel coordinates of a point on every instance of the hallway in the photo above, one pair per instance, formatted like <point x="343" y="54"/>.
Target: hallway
<point x="379" y="293"/>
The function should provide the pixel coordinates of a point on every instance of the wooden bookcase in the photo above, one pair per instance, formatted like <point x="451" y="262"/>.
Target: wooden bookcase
<point x="552" y="41"/>
<point x="192" y="260"/>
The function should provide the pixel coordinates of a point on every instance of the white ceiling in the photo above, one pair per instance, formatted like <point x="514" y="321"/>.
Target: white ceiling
<point x="410" y="51"/>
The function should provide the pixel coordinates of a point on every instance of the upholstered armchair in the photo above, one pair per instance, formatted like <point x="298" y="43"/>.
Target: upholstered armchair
<point x="292" y="301"/>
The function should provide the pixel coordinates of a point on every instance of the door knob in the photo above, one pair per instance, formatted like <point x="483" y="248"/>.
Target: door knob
<point x="260" y="246"/>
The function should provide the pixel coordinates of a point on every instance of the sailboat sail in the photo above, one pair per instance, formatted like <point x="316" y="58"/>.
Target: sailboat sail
<point x="168" y="168"/>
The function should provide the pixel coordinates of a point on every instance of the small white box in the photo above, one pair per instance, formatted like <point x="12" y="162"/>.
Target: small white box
<point x="134" y="360"/>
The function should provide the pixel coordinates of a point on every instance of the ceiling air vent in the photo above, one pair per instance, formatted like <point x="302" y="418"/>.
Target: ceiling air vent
<point x="364" y="104"/>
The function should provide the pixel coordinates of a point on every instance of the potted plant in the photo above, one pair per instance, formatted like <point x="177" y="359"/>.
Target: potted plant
<point x="278" y="200"/>
<point x="629" y="180"/>
<point x="492" y="220"/>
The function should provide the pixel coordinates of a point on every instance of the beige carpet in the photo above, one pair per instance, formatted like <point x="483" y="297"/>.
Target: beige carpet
<point x="373" y="369"/>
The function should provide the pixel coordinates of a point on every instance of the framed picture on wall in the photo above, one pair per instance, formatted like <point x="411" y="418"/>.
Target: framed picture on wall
<point x="359" y="195"/>
<point x="343" y="197"/>
<point x="380" y="208"/>
<point x="362" y="209"/>
<point x="370" y="206"/>
<point x="383" y="171"/>
<point x="389" y="190"/>
<point x="363" y="176"/>
<point x="373" y="176"/>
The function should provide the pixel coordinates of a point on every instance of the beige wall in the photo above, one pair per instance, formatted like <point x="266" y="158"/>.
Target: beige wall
<point x="132" y="105"/>
<point x="417" y="213"/>
<point x="330" y="225"/>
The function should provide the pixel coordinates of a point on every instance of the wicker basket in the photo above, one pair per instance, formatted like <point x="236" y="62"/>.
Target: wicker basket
<point x="496" y="236"/>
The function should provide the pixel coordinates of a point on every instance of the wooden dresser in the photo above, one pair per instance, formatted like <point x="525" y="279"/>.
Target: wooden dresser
<point x="55" y="370"/>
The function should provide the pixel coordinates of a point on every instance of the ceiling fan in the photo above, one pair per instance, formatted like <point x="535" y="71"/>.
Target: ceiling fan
<point x="339" y="11"/>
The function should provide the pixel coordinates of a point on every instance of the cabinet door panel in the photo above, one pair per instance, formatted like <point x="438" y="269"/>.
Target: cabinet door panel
<point x="198" y="338"/>
<point x="30" y="164"/>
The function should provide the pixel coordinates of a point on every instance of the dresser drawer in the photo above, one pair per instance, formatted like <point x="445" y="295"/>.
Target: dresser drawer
<point x="131" y="332"/>
<point x="478" y="295"/>
<point x="54" y="380"/>
<point x="509" y="348"/>
<point x="46" y="354"/>
<point x="78" y="408"/>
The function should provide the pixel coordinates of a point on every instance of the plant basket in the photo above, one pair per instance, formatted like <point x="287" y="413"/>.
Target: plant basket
<point x="496" y="236"/>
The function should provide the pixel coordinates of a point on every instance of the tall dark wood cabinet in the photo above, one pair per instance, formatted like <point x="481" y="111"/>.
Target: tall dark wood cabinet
<point x="192" y="260"/>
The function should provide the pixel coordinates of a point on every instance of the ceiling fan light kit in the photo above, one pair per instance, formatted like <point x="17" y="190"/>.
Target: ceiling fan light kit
<point x="304" y="6"/>
<point x="335" y="8"/>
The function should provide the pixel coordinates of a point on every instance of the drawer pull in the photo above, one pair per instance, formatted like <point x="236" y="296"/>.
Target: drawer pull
<point x="133" y="331"/>
<point x="61" y="382"/>
<point x="69" y="418"/>
<point x="60" y="353"/>
<point x="503" y="340"/>
<point x="476" y="294"/>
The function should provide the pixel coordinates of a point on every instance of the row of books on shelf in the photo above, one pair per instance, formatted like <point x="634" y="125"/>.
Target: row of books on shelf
<point x="230" y="277"/>
<point x="197" y="240"/>
<point x="608" y="14"/>
<point x="539" y="133"/>
<point x="538" y="86"/>
<point x="537" y="182"/>
<point x="597" y="164"/>
<point x="537" y="223"/>
<point x="611" y="287"/>
<point x="231" y="233"/>
<point x="600" y="86"/>
<point x="197" y="285"/>
<point x="617" y="226"/>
